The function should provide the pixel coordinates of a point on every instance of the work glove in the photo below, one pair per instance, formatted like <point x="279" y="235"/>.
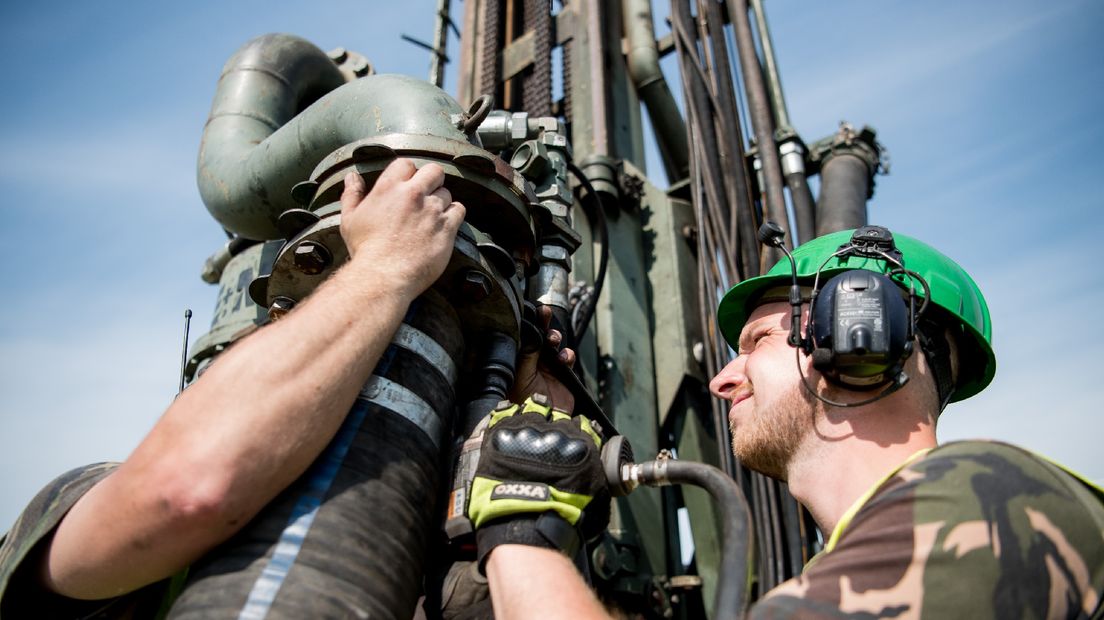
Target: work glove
<point x="539" y="480"/>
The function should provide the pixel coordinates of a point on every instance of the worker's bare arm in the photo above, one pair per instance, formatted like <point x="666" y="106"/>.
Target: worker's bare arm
<point x="260" y="415"/>
<point x="531" y="582"/>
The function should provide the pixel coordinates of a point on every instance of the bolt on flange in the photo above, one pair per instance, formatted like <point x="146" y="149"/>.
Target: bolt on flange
<point x="312" y="258"/>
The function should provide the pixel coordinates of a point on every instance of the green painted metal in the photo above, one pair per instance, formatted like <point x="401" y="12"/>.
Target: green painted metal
<point x="642" y="62"/>
<point x="235" y="315"/>
<point x="256" y="148"/>
<point x="605" y="122"/>
<point x="672" y="275"/>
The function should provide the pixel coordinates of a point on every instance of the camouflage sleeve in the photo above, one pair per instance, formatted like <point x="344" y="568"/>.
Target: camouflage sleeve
<point x="21" y="596"/>
<point x="973" y="530"/>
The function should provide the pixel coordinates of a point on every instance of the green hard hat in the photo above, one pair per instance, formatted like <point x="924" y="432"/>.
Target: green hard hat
<point x="956" y="301"/>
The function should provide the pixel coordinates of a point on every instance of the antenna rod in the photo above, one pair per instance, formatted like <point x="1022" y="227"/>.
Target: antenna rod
<point x="184" y="352"/>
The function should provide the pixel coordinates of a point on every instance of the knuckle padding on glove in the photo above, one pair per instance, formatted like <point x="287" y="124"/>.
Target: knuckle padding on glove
<point x="560" y="454"/>
<point x="552" y="447"/>
<point x="539" y="480"/>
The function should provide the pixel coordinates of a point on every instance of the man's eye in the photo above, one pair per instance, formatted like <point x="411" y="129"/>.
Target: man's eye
<point x="755" y="338"/>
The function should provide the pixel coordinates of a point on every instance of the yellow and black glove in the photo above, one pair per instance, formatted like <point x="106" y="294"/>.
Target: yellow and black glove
<point x="539" y="480"/>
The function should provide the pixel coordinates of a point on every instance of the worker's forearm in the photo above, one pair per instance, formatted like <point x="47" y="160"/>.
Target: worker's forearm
<point x="278" y="399"/>
<point x="531" y="582"/>
<point x="233" y="440"/>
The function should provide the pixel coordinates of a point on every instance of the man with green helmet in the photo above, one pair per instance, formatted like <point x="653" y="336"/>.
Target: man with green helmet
<point x="828" y="394"/>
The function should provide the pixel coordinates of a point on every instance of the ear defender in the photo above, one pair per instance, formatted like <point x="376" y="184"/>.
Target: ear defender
<point x="860" y="330"/>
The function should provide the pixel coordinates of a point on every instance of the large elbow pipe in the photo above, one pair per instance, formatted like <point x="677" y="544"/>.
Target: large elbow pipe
<point x="647" y="77"/>
<point x="264" y="85"/>
<point x="278" y="112"/>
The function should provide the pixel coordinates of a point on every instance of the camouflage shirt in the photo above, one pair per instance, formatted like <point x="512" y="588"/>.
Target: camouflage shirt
<point x="969" y="530"/>
<point x="21" y="596"/>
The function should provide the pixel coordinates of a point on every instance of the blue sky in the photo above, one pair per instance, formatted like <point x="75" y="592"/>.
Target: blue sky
<point x="991" y="112"/>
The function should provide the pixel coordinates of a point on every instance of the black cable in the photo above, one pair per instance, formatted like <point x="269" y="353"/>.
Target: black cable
<point x="898" y="382"/>
<point x="599" y="218"/>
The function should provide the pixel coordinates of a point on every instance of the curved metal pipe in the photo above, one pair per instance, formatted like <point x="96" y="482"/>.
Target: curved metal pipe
<point x="643" y="66"/>
<point x="736" y="542"/>
<point x="265" y="84"/>
<point x="260" y="142"/>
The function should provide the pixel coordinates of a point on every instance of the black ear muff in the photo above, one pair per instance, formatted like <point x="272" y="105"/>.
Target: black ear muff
<point x="822" y="360"/>
<point x="860" y="330"/>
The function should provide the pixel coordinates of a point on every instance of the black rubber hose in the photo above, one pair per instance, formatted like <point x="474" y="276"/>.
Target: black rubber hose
<point x="804" y="206"/>
<point x="350" y="537"/>
<point x="844" y="187"/>
<point x="598" y="216"/>
<point x="736" y="542"/>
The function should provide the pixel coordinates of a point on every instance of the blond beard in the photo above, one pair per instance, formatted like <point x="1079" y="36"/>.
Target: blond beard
<point x="767" y="441"/>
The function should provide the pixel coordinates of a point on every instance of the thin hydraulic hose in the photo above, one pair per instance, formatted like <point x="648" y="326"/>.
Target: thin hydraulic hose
<point x="711" y="251"/>
<point x="736" y="541"/>
<point x="712" y="354"/>
<point x="599" y="217"/>
<point x="803" y="205"/>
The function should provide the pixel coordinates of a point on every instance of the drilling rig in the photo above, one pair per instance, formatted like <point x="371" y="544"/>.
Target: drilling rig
<point x="544" y="143"/>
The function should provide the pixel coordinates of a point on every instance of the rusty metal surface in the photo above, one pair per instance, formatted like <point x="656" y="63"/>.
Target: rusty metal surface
<point x="536" y="85"/>
<point x="491" y="35"/>
<point x="484" y="299"/>
<point x="518" y="56"/>
<point x="495" y="195"/>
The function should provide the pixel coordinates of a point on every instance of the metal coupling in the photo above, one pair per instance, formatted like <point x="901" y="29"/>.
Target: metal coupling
<point x="861" y="143"/>
<point x="793" y="157"/>
<point x="531" y="160"/>
<point x="501" y="129"/>
<point x="551" y="286"/>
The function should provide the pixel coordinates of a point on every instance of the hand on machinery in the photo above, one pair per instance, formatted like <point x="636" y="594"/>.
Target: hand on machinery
<point x="539" y="480"/>
<point x="405" y="226"/>
<point x="533" y="377"/>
